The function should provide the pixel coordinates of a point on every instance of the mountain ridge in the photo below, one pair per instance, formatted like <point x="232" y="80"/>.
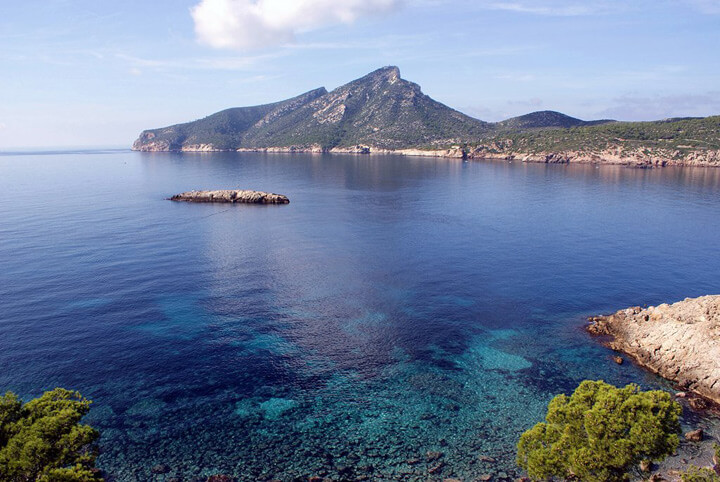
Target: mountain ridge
<point x="380" y="109"/>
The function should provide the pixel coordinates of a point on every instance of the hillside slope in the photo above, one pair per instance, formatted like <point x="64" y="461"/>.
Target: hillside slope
<point x="682" y="141"/>
<point x="545" y="119"/>
<point x="380" y="109"/>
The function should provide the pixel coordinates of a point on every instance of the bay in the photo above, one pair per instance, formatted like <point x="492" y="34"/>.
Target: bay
<point x="397" y="306"/>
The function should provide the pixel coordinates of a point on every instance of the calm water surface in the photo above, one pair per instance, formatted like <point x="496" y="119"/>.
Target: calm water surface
<point x="396" y="306"/>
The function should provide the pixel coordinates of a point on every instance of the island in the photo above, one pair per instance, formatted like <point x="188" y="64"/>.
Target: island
<point x="680" y="342"/>
<point x="382" y="113"/>
<point x="231" y="196"/>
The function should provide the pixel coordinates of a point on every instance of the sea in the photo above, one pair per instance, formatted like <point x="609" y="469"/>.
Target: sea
<point x="403" y="318"/>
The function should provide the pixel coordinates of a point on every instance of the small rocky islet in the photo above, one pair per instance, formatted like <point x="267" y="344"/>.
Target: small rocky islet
<point x="231" y="196"/>
<point x="679" y="341"/>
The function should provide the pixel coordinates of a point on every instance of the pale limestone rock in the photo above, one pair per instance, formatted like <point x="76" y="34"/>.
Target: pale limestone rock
<point x="680" y="342"/>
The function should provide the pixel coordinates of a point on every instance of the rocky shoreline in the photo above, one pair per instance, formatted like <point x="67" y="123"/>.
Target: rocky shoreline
<point x="613" y="155"/>
<point x="231" y="196"/>
<point x="610" y="156"/>
<point x="680" y="342"/>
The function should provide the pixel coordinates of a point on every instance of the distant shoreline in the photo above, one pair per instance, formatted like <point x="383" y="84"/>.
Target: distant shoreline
<point x="636" y="158"/>
<point x="68" y="150"/>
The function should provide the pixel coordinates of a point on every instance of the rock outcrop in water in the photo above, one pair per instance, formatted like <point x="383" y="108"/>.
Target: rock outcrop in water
<point x="231" y="196"/>
<point x="680" y="342"/>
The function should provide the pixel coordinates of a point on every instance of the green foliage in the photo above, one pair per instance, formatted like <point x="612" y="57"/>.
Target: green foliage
<point x="696" y="474"/>
<point x="43" y="440"/>
<point x="675" y="136"/>
<point x="542" y="119"/>
<point x="600" y="432"/>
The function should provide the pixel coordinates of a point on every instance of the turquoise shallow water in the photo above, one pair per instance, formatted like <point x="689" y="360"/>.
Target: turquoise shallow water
<point x="398" y="306"/>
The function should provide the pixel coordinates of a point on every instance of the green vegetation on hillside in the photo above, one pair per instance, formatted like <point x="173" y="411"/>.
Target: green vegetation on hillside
<point x="380" y="110"/>
<point x="697" y="474"/>
<point x="545" y="119"/>
<point x="43" y="440"/>
<point x="681" y="135"/>
<point x="600" y="433"/>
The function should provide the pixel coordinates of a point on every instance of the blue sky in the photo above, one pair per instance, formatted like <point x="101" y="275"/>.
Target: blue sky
<point x="95" y="73"/>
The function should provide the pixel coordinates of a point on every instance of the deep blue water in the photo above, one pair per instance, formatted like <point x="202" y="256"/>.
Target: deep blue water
<point x="396" y="306"/>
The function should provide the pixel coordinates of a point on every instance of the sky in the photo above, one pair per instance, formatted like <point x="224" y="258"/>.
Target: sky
<point x="97" y="72"/>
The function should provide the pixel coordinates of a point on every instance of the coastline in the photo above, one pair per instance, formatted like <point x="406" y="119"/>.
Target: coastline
<point x="640" y="158"/>
<point x="680" y="342"/>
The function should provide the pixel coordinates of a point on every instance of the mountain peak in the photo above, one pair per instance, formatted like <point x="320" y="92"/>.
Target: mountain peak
<point x="389" y="73"/>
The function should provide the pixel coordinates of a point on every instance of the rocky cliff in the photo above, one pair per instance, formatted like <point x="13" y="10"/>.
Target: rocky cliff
<point x="680" y="342"/>
<point x="617" y="155"/>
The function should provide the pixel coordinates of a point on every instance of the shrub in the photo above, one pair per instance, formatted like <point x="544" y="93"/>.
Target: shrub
<point x="696" y="474"/>
<point x="600" y="432"/>
<point x="42" y="440"/>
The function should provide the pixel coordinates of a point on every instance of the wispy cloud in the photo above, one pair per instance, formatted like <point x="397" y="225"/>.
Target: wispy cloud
<point x="639" y="107"/>
<point x="254" y="24"/>
<point x="232" y="63"/>
<point x="574" y="8"/>
<point x="516" y="77"/>
<point x="547" y="8"/>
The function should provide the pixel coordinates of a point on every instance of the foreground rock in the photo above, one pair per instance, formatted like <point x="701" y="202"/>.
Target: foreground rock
<point x="680" y="342"/>
<point x="231" y="196"/>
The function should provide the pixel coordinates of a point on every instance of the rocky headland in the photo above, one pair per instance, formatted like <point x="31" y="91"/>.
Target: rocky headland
<point x="382" y="113"/>
<point x="680" y="342"/>
<point x="231" y="196"/>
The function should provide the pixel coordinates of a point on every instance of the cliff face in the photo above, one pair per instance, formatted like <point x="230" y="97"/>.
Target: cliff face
<point x="680" y="342"/>
<point x="617" y="155"/>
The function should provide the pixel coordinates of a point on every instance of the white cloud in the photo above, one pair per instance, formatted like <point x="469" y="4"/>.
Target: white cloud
<point x="252" y="24"/>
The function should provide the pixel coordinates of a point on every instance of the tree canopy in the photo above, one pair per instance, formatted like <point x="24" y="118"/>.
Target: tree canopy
<point x="43" y="440"/>
<point x="600" y="432"/>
